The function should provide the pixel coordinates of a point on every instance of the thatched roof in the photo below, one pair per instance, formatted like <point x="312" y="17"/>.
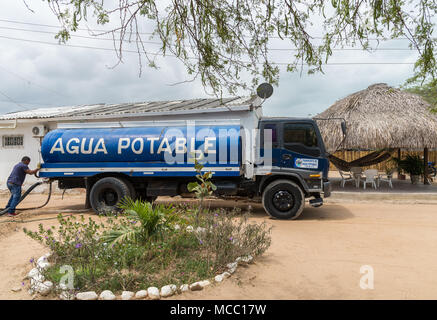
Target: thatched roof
<point x="380" y="117"/>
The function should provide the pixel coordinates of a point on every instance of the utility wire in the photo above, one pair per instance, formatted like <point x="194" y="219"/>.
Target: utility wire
<point x="32" y="82"/>
<point x="150" y="33"/>
<point x="12" y="100"/>
<point x="73" y="35"/>
<point x="75" y="46"/>
<point x="160" y="43"/>
<point x="60" y="27"/>
<point x="193" y="58"/>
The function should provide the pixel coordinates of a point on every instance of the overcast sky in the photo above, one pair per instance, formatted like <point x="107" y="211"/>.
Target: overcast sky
<point x="36" y="75"/>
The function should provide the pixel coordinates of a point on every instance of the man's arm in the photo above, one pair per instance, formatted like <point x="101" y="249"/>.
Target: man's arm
<point x="28" y="171"/>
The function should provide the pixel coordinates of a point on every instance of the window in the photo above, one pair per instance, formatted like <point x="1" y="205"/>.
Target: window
<point x="13" y="141"/>
<point x="272" y="126"/>
<point x="273" y="133"/>
<point x="302" y="133"/>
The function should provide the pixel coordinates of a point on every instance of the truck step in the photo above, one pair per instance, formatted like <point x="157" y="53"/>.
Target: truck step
<point x="317" y="202"/>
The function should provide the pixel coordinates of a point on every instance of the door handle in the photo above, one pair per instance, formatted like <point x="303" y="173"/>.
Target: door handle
<point x="286" y="157"/>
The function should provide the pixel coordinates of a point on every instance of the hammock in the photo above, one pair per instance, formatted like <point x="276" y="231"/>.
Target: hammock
<point x="368" y="160"/>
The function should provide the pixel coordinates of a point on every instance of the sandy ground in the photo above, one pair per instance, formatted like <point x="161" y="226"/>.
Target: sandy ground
<point x="318" y="256"/>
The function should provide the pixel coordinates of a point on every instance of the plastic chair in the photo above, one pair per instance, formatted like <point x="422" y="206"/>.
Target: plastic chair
<point x="387" y="178"/>
<point x="357" y="175"/>
<point x="370" y="175"/>
<point x="345" y="177"/>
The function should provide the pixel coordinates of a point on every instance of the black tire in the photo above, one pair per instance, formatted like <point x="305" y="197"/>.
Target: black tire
<point x="283" y="199"/>
<point x="133" y="193"/>
<point x="107" y="193"/>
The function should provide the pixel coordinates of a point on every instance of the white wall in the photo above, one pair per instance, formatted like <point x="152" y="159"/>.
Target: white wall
<point x="10" y="156"/>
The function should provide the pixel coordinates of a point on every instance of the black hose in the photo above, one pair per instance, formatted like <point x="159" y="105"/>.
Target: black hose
<point x="24" y="195"/>
<point x="27" y="193"/>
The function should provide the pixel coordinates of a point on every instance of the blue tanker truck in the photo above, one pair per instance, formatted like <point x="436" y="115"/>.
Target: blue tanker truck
<point x="281" y="161"/>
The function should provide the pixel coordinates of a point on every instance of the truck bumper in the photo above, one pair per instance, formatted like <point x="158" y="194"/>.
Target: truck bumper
<point x="326" y="189"/>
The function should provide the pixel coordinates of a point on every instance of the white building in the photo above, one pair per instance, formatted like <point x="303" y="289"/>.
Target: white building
<point x="22" y="132"/>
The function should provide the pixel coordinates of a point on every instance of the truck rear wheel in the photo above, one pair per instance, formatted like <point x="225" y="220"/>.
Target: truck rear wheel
<point x="133" y="193"/>
<point x="106" y="194"/>
<point x="283" y="199"/>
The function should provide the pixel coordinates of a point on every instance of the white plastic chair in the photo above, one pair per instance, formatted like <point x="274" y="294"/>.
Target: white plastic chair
<point x="387" y="178"/>
<point x="357" y="175"/>
<point x="370" y="175"/>
<point x="345" y="177"/>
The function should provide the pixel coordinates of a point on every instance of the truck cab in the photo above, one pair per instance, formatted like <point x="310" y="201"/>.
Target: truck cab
<point x="299" y="166"/>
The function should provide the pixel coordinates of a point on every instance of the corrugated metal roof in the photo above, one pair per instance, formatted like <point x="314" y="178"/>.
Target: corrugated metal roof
<point x="123" y="109"/>
<point x="42" y="113"/>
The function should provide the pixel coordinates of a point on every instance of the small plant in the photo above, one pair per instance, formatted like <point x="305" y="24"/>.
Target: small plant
<point x="412" y="164"/>
<point x="143" y="222"/>
<point x="203" y="187"/>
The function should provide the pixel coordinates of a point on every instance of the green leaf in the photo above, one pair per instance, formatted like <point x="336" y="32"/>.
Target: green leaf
<point x="192" y="186"/>
<point x="198" y="166"/>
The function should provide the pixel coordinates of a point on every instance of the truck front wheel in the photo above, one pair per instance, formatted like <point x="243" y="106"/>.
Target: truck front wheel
<point x="106" y="194"/>
<point x="283" y="199"/>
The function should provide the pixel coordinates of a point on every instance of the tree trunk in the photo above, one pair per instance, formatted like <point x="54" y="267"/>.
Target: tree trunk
<point x="399" y="157"/>
<point x="425" y="163"/>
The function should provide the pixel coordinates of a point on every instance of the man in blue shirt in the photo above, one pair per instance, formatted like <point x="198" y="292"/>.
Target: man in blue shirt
<point x="15" y="181"/>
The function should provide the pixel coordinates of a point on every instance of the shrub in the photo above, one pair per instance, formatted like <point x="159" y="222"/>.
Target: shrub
<point x="411" y="164"/>
<point x="74" y="243"/>
<point x="230" y="235"/>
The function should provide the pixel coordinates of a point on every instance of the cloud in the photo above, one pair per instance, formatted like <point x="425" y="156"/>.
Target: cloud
<point x="301" y="96"/>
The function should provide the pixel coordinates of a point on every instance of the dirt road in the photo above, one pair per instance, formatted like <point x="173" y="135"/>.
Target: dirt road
<point x="318" y="256"/>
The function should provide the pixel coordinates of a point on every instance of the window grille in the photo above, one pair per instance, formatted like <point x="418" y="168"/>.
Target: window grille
<point x="13" y="141"/>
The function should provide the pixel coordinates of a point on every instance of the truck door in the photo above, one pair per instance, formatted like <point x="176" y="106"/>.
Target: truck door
<point x="300" y="146"/>
<point x="274" y="128"/>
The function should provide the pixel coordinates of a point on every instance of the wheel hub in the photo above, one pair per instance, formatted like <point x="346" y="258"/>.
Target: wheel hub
<point x="283" y="200"/>
<point x="109" y="197"/>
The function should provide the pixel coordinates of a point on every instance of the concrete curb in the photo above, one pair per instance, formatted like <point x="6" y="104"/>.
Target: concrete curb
<point x="397" y="197"/>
